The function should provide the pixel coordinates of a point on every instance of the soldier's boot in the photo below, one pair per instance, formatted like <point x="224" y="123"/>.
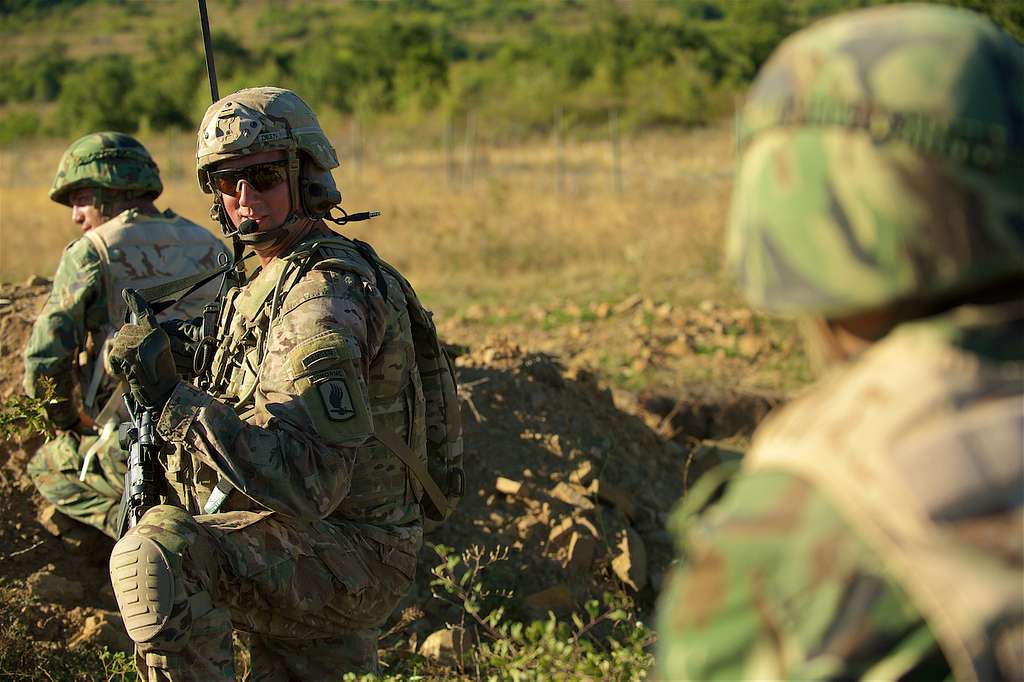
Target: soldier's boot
<point x="161" y="579"/>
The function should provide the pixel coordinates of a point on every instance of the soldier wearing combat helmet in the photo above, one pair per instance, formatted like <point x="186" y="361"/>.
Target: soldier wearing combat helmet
<point x="287" y="517"/>
<point x="110" y="182"/>
<point x="875" y="528"/>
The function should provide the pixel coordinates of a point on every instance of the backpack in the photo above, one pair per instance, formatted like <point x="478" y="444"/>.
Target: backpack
<point x="443" y="479"/>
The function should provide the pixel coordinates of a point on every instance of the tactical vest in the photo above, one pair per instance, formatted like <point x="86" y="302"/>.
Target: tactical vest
<point x="141" y="251"/>
<point x="919" y="445"/>
<point x="382" y="492"/>
<point x="138" y="251"/>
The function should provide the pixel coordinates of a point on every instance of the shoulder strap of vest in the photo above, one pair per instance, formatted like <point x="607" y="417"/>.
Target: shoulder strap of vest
<point x="398" y="446"/>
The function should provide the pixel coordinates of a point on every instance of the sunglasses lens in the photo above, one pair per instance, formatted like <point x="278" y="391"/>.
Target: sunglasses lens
<point x="266" y="176"/>
<point x="262" y="176"/>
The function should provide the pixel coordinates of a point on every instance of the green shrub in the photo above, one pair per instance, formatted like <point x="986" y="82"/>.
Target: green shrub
<point x="605" y="641"/>
<point x="18" y="125"/>
<point x="94" y="98"/>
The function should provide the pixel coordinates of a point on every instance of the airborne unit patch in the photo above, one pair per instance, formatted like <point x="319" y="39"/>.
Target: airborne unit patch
<point x="336" y="398"/>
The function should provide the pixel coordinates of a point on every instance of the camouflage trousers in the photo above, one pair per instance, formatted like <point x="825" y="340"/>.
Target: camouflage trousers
<point x="94" y="500"/>
<point x="312" y="596"/>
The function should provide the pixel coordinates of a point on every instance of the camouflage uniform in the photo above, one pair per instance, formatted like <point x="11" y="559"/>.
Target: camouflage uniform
<point x="317" y="540"/>
<point x="876" y="529"/>
<point x="84" y="307"/>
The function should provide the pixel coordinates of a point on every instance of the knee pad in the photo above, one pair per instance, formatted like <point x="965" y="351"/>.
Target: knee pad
<point x="144" y="583"/>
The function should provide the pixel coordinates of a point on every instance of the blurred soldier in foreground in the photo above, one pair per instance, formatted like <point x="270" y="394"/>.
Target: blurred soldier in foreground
<point x="287" y="517"/>
<point x="110" y="182"/>
<point x="876" y="528"/>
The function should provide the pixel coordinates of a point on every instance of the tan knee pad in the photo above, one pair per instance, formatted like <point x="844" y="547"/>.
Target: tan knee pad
<point x="143" y="581"/>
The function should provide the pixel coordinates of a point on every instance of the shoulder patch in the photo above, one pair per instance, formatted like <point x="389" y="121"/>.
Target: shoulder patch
<point x="326" y="372"/>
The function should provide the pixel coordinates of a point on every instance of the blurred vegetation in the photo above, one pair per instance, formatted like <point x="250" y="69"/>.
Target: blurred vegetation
<point x="523" y="66"/>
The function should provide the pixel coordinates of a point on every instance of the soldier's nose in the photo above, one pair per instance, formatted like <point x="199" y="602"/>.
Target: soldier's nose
<point x="246" y="193"/>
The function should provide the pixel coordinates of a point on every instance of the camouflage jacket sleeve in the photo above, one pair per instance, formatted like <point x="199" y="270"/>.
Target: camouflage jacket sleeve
<point x="295" y="454"/>
<point x="76" y="305"/>
<point x="774" y="585"/>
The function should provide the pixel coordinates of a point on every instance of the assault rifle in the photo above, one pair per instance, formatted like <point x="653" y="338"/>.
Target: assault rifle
<point x="138" y="437"/>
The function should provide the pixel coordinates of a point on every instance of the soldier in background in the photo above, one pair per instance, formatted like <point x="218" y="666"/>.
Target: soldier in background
<point x="288" y="517"/>
<point x="110" y="182"/>
<point x="876" y="528"/>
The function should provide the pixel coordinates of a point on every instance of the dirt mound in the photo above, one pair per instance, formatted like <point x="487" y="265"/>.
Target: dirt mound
<point x="577" y="488"/>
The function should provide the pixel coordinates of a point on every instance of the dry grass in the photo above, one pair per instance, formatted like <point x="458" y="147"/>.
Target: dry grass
<point x="522" y="240"/>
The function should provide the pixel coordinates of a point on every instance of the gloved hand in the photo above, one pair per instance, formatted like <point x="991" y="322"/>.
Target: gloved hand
<point x="142" y="355"/>
<point x="185" y="336"/>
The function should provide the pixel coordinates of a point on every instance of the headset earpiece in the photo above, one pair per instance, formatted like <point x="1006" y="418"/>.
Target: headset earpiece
<point x="318" y="199"/>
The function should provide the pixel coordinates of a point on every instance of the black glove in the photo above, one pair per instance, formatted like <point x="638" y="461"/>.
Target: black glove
<point x="141" y="354"/>
<point x="185" y="336"/>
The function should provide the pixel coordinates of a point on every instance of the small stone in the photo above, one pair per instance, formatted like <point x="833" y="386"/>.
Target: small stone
<point x="104" y="629"/>
<point x="507" y="486"/>
<point x="561" y="533"/>
<point x="572" y="494"/>
<point x="53" y="588"/>
<point x="55" y="523"/>
<point x="447" y="646"/>
<point x="751" y="346"/>
<point x="556" y="598"/>
<point x="36" y="281"/>
<point x="630" y="564"/>
<point x="583" y="474"/>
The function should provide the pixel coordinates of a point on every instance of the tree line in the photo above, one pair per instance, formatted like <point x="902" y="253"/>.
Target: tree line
<point x="513" y="63"/>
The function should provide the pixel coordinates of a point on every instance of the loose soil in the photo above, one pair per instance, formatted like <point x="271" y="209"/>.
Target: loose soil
<point x="578" y="458"/>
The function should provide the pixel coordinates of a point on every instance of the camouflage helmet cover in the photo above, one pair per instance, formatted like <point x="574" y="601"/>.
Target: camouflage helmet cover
<point x="257" y="120"/>
<point x="108" y="161"/>
<point x="881" y="160"/>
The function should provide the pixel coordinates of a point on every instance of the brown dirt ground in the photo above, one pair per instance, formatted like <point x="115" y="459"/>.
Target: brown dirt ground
<point x="526" y="417"/>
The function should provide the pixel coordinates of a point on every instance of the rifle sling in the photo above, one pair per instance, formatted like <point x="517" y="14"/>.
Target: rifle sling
<point x="160" y="296"/>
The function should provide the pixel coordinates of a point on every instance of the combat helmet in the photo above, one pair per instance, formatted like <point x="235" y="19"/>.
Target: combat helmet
<point x="109" y="163"/>
<point x="264" y="119"/>
<point x="881" y="161"/>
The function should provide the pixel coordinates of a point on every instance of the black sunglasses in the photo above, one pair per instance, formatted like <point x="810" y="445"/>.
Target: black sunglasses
<point x="262" y="176"/>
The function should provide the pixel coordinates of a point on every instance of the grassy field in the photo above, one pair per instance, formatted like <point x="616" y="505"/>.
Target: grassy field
<point x="612" y="260"/>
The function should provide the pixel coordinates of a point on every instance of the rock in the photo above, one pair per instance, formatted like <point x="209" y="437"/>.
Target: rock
<point x="751" y="346"/>
<point x="628" y="304"/>
<point x="561" y="533"/>
<point x="611" y="494"/>
<point x="572" y="494"/>
<point x="52" y="588"/>
<point x="104" y="629"/>
<point x="36" y="281"/>
<point x="630" y="564"/>
<point x="556" y="598"/>
<point x="582" y="548"/>
<point x="447" y="646"/>
<point x="55" y="523"/>
<point x="508" y="486"/>
<point x="583" y="474"/>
